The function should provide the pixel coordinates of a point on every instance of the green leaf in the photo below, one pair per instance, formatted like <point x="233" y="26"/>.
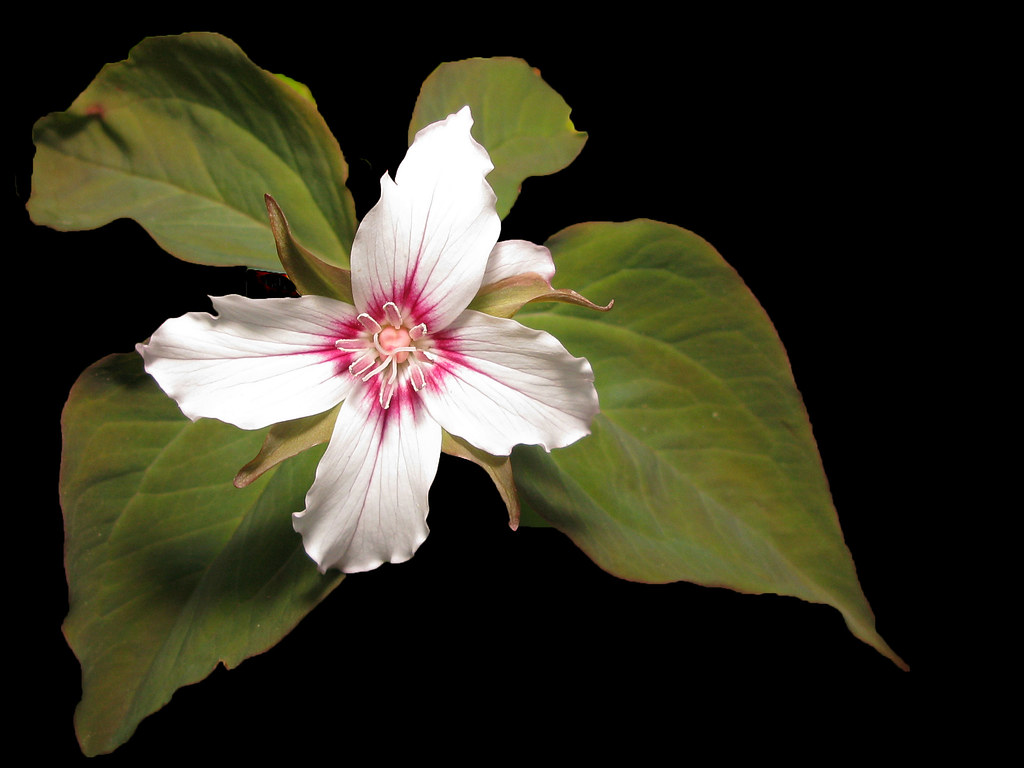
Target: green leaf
<point x="171" y="569"/>
<point x="522" y="122"/>
<point x="300" y="88"/>
<point x="702" y="466"/>
<point x="186" y="137"/>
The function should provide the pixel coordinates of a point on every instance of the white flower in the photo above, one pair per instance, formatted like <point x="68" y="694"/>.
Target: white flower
<point x="408" y="360"/>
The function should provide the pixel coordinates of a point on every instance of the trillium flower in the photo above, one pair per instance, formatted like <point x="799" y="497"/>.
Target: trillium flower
<point x="406" y="359"/>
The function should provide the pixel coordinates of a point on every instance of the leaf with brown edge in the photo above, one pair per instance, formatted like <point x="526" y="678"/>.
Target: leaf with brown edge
<point x="184" y="137"/>
<point x="702" y="465"/>
<point x="171" y="570"/>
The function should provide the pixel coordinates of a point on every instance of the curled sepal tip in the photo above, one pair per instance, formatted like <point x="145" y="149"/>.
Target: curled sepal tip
<point x="519" y="272"/>
<point x="506" y="297"/>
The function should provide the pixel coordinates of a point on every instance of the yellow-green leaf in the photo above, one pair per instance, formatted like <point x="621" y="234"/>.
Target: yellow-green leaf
<point x="521" y="120"/>
<point x="702" y="466"/>
<point x="186" y="137"/>
<point x="171" y="569"/>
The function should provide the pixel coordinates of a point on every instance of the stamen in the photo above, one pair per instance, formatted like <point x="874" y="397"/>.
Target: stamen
<point x="378" y="353"/>
<point x="357" y="344"/>
<point x="387" y="388"/>
<point x="419" y="381"/>
<point x="369" y="323"/>
<point x="369" y="364"/>
<point x="392" y="315"/>
<point x="378" y="369"/>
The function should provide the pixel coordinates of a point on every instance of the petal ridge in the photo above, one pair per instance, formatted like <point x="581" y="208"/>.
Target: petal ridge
<point x="426" y="243"/>
<point x="369" y="502"/>
<point x="256" y="362"/>
<point x="496" y="383"/>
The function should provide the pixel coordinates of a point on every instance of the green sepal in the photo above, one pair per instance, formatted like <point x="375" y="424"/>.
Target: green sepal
<point x="311" y="275"/>
<point x="498" y="468"/>
<point x="287" y="439"/>
<point x="506" y="297"/>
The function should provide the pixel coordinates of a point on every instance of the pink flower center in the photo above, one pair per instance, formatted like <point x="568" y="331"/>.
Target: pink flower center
<point x="390" y="349"/>
<point x="391" y="339"/>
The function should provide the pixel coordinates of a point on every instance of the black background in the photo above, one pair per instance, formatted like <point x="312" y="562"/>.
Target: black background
<point x="788" y="146"/>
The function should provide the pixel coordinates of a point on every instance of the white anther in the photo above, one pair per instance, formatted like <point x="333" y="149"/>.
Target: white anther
<point x="392" y="315"/>
<point x="374" y="359"/>
<point x="369" y="323"/>
<point x="355" y="370"/>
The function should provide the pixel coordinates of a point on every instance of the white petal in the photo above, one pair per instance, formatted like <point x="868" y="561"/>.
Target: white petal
<point x="510" y="258"/>
<point x="425" y="245"/>
<point x="368" y="504"/>
<point x="497" y="383"/>
<point x="258" y="362"/>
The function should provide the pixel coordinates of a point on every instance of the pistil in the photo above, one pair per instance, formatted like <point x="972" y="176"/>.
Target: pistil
<point x="395" y="342"/>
